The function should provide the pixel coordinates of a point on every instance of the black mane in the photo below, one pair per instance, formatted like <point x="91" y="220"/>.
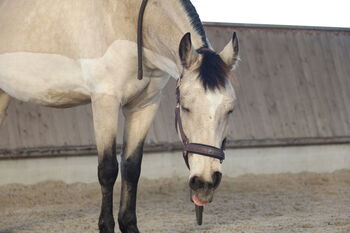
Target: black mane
<point x="195" y="20"/>
<point x="213" y="71"/>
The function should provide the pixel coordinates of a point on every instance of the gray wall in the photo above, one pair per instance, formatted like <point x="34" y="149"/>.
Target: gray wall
<point x="294" y="89"/>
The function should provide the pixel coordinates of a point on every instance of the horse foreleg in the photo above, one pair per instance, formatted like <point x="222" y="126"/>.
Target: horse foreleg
<point x="105" y="113"/>
<point x="4" y="102"/>
<point x="137" y="125"/>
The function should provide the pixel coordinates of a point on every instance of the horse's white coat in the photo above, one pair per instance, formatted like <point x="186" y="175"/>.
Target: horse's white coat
<point x="45" y="60"/>
<point x="215" y="100"/>
<point x="57" y="80"/>
<point x="42" y="78"/>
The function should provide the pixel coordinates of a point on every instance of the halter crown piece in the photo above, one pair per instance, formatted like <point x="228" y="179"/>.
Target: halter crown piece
<point x="194" y="148"/>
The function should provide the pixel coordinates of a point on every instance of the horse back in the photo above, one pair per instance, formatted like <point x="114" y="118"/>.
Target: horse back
<point x="75" y="29"/>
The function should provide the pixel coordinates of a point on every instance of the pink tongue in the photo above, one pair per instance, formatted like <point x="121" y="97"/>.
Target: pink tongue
<point x="198" y="202"/>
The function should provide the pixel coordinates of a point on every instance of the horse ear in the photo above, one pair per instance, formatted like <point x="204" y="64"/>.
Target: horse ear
<point x="230" y="54"/>
<point x="187" y="54"/>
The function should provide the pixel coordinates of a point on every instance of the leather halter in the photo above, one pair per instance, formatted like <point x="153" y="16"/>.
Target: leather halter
<point x="194" y="148"/>
<point x="140" y="40"/>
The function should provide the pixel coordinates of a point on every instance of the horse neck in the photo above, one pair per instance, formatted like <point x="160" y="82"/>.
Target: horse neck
<point x="165" y="23"/>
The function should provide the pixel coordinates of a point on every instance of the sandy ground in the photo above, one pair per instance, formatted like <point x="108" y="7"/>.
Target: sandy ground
<point x="282" y="203"/>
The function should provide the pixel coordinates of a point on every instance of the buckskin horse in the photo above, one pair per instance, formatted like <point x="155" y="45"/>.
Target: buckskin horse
<point x="62" y="53"/>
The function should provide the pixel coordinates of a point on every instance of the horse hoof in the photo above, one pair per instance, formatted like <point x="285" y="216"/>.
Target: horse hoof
<point x="106" y="226"/>
<point x="104" y="229"/>
<point x="130" y="229"/>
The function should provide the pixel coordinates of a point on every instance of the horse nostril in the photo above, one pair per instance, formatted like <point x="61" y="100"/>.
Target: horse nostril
<point x="216" y="179"/>
<point x="196" y="183"/>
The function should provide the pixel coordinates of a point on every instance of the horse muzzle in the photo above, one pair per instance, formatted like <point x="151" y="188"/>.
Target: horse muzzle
<point x="202" y="192"/>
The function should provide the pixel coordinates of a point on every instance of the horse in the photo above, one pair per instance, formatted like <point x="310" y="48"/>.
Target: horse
<point x="63" y="53"/>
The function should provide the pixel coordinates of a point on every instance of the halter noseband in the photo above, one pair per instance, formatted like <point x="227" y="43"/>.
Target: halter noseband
<point x="194" y="148"/>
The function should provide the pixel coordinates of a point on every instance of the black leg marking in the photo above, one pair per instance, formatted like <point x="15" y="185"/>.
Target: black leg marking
<point x="131" y="168"/>
<point x="107" y="174"/>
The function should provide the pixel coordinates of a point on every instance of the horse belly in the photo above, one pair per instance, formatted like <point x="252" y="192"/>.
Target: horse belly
<point x="47" y="79"/>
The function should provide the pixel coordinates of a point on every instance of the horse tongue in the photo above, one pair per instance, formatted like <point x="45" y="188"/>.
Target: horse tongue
<point x="198" y="202"/>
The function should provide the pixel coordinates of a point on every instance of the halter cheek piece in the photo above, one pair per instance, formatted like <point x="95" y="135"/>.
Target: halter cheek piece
<point x="193" y="148"/>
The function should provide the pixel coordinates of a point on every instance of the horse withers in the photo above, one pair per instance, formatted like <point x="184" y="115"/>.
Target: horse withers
<point x="62" y="53"/>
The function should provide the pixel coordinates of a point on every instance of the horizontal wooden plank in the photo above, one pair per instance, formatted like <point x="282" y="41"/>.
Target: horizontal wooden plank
<point x="274" y="26"/>
<point x="62" y="151"/>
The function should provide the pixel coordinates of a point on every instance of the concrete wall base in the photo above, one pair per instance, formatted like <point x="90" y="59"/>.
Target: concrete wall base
<point x="320" y="159"/>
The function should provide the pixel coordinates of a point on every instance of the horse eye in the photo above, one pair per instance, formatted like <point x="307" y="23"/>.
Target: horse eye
<point x="185" y="109"/>
<point x="230" y="112"/>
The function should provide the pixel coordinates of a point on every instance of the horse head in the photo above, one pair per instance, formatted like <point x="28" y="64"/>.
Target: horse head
<point x="206" y="100"/>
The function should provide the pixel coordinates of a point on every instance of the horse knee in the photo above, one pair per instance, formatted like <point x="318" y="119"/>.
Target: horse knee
<point x="131" y="169"/>
<point x="108" y="171"/>
<point x="131" y="166"/>
<point x="108" y="166"/>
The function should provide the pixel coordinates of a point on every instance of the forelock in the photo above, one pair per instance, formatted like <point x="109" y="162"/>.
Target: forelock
<point x="213" y="71"/>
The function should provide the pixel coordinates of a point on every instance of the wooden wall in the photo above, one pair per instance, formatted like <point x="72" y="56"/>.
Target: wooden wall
<point x="294" y="83"/>
<point x="294" y="89"/>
